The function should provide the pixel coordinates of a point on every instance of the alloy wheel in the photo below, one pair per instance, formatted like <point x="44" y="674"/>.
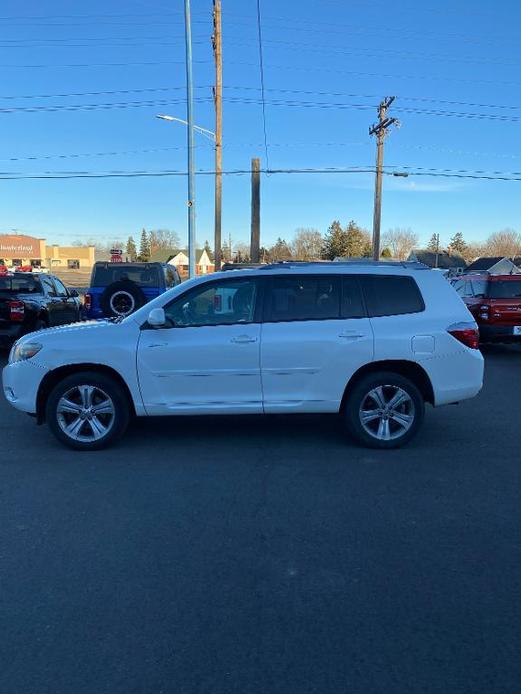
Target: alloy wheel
<point x="387" y="412"/>
<point x="85" y="413"/>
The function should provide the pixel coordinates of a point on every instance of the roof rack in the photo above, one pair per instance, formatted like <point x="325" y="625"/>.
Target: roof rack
<point x="296" y="265"/>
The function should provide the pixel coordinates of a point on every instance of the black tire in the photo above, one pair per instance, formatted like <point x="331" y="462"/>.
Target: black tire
<point x="393" y="432"/>
<point x="105" y="389"/>
<point x="131" y="295"/>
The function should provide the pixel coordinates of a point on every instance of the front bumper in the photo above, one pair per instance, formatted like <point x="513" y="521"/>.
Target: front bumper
<point x="21" y="382"/>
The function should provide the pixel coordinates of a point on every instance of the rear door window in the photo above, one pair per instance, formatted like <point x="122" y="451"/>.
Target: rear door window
<point x="352" y="301"/>
<point x="505" y="289"/>
<point x="49" y="286"/>
<point x="387" y="295"/>
<point x="480" y="288"/>
<point x="303" y="298"/>
<point x="140" y="275"/>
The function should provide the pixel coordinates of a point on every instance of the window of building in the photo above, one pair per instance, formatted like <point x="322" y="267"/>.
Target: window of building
<point x="303" y="298"/>
<point x="36" y="262"/>
<point x="388" y="295"/>
<point x="73" y="264"/>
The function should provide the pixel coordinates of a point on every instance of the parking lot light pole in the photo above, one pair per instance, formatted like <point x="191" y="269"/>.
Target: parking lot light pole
<point x="191" y="188"/>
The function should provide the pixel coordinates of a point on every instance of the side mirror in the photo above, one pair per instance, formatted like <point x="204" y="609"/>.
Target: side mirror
<point x="73" y="293"/>
<point x="157" y="318"/>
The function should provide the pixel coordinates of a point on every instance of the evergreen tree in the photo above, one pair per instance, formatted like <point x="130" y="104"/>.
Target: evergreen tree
<point x="208" y="249"/>
<point x="144" y="247"/>
<point x="131" y="249"/>
<point x="457" y="243"/>
<point x="386" y="253"/>
<point x="357" y="241"/>
<point x="335" y="243"/>
<point x="433" y="244"/>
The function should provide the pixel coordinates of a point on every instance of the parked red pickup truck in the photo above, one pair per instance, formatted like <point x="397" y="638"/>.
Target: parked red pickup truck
<point x="495" y="303"/>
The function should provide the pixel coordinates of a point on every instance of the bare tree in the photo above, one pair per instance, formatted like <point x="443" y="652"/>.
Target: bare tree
<point x="401" y="242"/>
<point x="306" y="244"/>
<point x="163" y="241"/>
<point x="506" y="242"/>
<point x="473" y="251"/>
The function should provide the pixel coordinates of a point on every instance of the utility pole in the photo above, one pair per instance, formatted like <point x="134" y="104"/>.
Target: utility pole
<point x="437" y="250"/>
<point x="255" y="211"/>
<point x="218" y="93"/>
<point x="380" y="130"/>
<point x="191" y="144"/>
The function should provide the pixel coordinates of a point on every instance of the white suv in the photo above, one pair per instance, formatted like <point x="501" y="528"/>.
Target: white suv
<point x="371" y="341"/>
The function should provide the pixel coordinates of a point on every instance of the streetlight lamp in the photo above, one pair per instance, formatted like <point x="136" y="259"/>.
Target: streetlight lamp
<point x="203" y="131"/>
<point x="191" y="183"/>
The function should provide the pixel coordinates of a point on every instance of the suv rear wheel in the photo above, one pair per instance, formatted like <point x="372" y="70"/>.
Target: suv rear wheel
<point x="87" y="411"/>
<point x="384" y="410"/>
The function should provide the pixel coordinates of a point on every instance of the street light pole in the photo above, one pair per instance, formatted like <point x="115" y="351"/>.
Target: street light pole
<point x="191" y="145"/>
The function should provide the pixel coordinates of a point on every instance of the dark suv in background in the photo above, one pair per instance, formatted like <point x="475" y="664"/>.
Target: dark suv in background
<point x="32" y="302"/>
<point x="118" y="289"/>
<point x="495" y="303"/>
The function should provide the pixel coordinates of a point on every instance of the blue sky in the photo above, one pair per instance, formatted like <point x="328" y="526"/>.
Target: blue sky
<point x="339" y="57"/>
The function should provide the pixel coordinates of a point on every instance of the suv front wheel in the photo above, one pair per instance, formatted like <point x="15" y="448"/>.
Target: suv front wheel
<point x="87" y="411"/>
<point x="384" y="410"/>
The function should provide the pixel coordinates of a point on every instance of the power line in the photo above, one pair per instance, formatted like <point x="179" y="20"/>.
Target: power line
<point x="229" y="87"/>
<point x="122" y="64"/>
<point x="498" y="117"/>
<point x="261" y="68"/>
<point x="98" y="107"/>
<point x="413" y="171"/>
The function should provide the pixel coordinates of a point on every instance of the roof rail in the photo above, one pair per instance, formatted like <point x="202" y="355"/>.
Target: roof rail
<point x="298" y="264"/>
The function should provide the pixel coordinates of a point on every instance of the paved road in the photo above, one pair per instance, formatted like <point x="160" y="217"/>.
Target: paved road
<point x="266" y="556"/>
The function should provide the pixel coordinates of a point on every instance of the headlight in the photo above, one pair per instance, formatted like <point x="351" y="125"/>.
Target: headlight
<point x="24" y="351"/>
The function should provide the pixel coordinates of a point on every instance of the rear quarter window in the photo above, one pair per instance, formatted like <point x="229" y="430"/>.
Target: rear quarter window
<point x="387" y="295"/>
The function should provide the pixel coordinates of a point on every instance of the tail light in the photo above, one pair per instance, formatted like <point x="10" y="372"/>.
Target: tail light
<point x="466" y="333"/>
<point x="87" y="301"/>
<point x="16" y="311"/>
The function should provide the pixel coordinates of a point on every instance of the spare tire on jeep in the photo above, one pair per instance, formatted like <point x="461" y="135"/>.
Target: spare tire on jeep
<point x="122" y="298"/>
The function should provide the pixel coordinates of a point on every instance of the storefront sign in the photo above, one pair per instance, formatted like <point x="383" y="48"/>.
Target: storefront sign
<point x="19" y="247"/>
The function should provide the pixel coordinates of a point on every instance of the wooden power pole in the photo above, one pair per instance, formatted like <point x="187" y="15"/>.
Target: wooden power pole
<point x="218" y="93"/>
<point x="380" y="130"/>
<point x="255" y="211"/>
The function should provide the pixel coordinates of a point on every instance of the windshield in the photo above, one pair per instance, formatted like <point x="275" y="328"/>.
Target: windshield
<point x="20" y="285"/>
<point x="143" y="276"/>
<point x="505" y="289"/>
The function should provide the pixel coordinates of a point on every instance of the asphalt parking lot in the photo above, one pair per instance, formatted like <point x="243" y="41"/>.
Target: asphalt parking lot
<point x="266" y="556"/>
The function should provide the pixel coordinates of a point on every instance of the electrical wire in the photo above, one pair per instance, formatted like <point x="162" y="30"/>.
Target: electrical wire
<point x="413" y="171"/>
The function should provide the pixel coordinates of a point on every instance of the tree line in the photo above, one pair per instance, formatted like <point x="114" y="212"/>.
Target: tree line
<point x="349" y="241"/>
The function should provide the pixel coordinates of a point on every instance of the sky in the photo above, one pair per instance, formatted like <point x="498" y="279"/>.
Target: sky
<point x="81" y="86"/>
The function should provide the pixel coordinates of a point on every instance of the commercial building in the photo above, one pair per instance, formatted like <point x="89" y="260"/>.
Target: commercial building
<point x="21" y="250"/>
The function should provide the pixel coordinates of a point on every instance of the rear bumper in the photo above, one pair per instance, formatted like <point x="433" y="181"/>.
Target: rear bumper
<point x="456" y="378"/>
<point x="498" y="333"/>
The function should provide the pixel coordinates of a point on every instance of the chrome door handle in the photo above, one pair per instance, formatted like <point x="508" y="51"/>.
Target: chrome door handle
<point x="351" y="334"/>
<point x="243" y="339"/>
